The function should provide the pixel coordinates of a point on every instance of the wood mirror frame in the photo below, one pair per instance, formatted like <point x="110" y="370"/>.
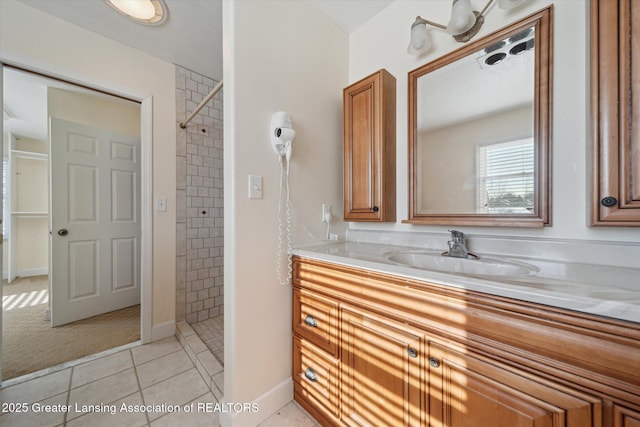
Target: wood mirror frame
<point x="542" y="112"/>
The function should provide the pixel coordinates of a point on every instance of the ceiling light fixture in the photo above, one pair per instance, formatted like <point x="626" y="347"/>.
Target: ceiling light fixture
<point x="463" y="24"/>
<point x="152" y="12"/>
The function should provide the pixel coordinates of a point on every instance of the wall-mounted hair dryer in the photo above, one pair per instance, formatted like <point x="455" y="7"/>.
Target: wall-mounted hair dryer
<point x="282" y="136"/>
<point x="282" y="133"/>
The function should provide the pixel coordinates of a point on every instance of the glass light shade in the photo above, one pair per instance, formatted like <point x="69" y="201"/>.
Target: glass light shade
<point x="136" y="8"/>
<point x="510" y="4"/>
<point x="144" y="11"/>
<point x="462" y="17"/>
<point x="420" y="39"/>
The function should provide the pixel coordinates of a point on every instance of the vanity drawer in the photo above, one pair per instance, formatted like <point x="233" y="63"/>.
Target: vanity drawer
<point x="315" y="318"/>
<point x="316" y="378"/>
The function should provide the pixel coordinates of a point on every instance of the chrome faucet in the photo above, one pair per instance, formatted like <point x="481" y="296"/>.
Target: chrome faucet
<point x="457" y="246"/>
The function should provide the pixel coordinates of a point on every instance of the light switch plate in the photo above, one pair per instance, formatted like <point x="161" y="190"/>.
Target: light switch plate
<point x="255" y="187"/>
<point x="161" y="204"/>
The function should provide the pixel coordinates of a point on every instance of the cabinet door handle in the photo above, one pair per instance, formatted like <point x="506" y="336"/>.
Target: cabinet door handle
<point x="434" y="362"/>
<point x="375" y="209"/>
<point x="412" y="352"/>
<point x="609" y="201"/>
<point x="311" y="375"/>
<point x="311" y="321"/>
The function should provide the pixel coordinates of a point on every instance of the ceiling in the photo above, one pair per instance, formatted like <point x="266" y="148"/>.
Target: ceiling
<point x="191" y="37"/>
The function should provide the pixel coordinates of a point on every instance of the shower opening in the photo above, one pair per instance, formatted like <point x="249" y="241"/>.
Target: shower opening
<point x="199" y="210"/>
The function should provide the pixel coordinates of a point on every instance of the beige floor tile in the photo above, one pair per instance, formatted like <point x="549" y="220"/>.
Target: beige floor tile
<point x="103" y="383"/>
<point x="210" y="363"/>
<point x="202" y="415"/>
<point x="127" y="418"/>
<point x="177" y="390"/>
<point x="100" y="368"/>
<point x="218" y="379"/>
<point x="195" y="343"/>
<point x="289" y="416"/>
<point x="39" y="414"/>
<point x="185" y="329"/>
<point x="211" y="332"/>
<point x="163" y="367"/>
<point x="156" y="349"/>
<point x="104" y="391"/>
<point x="37" y="389"/>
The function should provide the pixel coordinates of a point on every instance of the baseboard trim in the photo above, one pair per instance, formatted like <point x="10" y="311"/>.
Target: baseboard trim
<point x="267" y="404"/>
<point x="28" y="272"/>
<point x="163" y="330"/>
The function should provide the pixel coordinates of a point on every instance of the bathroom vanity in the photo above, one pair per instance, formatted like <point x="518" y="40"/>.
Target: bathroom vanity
<point x="377" y="341"/>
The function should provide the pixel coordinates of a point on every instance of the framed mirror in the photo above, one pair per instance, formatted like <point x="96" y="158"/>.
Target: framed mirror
<point x="480" y="130"/>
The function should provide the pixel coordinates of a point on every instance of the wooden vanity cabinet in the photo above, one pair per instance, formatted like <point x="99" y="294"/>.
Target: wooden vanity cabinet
<point x="411" y="353"/>
<point x="465" y="390"/>
<point x="624" y="417"/>
<point x="381" y="371"/>
<point x="369" y="109"/>
<point x="615" y="79"/>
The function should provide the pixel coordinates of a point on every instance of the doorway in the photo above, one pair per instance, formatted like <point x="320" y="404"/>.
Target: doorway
<point x="29" y="101"/>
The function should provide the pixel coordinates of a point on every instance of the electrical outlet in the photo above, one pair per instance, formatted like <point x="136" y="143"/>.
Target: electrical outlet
<point x="333" y="237"/>
<point x="326" y="213"/>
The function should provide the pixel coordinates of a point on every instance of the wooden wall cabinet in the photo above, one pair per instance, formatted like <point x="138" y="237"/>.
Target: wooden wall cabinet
<point x="615" y="106"/>
<point x="411" y="353"/>
<point x="369" y="108"/>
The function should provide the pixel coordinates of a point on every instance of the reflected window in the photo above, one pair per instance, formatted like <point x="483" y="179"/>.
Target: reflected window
<point x="505" y="173"/>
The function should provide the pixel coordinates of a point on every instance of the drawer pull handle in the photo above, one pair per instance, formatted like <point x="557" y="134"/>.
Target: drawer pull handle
<point x="434" y="362"/>
<point x="311" y="375"/>
<point x="412" y="352"/>
<point x="311" y="321"/>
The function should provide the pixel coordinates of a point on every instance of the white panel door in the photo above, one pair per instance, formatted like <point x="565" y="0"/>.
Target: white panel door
<point x="95" y="221"/>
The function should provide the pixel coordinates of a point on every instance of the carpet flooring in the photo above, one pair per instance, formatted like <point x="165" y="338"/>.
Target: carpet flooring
<point x="30" y="344"/>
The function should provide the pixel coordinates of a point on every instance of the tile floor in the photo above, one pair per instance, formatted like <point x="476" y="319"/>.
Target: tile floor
<point x="146" y="385"/>
<point x="211" y="332"/>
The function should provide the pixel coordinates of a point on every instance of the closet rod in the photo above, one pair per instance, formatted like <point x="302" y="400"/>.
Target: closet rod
<point x="202" y="104"/>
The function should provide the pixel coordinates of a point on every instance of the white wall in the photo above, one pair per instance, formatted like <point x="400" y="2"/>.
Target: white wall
<point x="101" y="111"/>
<point x="447" y="158"/>
<point x="39" y="41"/>
<point x="30" y="182"/>
<point x="279" y="55"/>
<point x="382" y="43"/>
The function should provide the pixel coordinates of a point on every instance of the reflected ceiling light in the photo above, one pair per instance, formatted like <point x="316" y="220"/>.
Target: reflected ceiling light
<point x="151" y="12"/>
<point x="463" y="24"/>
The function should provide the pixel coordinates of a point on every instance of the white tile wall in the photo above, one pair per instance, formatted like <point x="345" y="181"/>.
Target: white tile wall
<point x="199" y="199"/>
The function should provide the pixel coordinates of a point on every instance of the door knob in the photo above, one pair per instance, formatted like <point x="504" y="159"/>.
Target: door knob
<point x="63" y="232"/>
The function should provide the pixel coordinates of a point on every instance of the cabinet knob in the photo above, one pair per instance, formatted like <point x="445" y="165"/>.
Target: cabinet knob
<point x="609" y="201"/>
<point x="311" y="321"/>
<point x="434" y="362"/>
<point x="63" y="232"/>
<point x="311" y="375"/>
<point x="412" y="352"/>
<point x="375" y="209"/>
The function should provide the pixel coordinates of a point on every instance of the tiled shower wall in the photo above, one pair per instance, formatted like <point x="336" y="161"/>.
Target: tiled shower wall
<point x="199" y="201"/>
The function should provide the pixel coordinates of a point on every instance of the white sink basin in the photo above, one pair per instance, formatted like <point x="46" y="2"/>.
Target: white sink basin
<point x="484" y="267"/>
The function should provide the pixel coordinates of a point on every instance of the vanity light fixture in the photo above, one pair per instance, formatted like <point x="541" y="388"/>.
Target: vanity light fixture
<point x="151" y="12"/>
<point x="463" y="24"/>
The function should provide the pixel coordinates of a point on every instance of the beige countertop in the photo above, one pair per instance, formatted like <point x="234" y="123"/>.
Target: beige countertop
<point x="603" y="290"/>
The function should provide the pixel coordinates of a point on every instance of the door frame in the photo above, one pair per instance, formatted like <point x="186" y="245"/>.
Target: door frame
<point x="146" y="178"/>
